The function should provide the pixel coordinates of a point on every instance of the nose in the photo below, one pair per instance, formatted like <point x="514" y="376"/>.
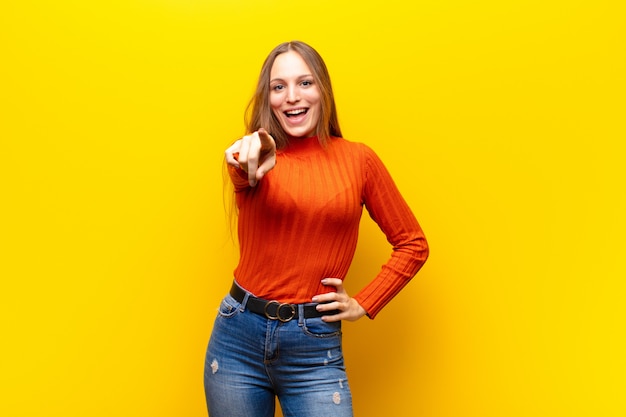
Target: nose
<point x="292" y="95"/>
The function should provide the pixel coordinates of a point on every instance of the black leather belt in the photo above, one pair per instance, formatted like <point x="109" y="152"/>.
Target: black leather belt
<point x="274" y="310"/>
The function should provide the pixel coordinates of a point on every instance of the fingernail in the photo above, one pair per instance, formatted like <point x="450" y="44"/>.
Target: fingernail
<point x="324" y="281"/>
<point x="314" y="299"/>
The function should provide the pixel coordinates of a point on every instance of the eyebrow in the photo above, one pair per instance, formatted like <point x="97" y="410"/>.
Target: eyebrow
<point x="299" y="78"/>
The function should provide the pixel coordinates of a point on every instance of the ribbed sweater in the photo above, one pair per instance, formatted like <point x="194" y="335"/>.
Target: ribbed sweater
<point x="300" y="224"/>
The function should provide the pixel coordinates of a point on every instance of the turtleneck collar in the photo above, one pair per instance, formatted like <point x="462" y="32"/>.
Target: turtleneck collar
<point x="301" y="144"/>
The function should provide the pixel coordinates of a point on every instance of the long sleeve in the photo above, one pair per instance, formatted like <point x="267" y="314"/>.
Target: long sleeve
<point x="390" y="211"/>
<point x="239" y="178"/>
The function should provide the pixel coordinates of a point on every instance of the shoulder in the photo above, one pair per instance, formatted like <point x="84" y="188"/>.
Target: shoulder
<point x="354" y="147"/>
<point x="358" y="150"/>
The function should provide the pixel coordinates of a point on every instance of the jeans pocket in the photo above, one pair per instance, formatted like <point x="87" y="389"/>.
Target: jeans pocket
<point x="317" y="328"/>
<point x="228" y="307"/>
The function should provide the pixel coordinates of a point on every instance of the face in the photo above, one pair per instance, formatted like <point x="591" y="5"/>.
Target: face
<point x="294" y="95"/>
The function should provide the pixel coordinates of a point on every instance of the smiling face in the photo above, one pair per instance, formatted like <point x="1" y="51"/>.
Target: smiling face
<point x="294" y="95"/>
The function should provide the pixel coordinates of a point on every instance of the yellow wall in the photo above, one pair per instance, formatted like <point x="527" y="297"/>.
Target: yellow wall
<point x="502" y="122"/>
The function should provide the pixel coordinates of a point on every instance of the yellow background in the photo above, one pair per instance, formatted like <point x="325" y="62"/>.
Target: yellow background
<point x="501" y="121"/>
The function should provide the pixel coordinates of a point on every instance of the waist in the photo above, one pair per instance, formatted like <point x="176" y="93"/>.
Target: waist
<point x="275" y="310"/>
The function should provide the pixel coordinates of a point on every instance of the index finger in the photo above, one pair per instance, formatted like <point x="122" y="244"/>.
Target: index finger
<point x="266" y="140"/>
<point x="329" y="296"/>
<point x="254" y="152"/>
<point x="333" y="282"/>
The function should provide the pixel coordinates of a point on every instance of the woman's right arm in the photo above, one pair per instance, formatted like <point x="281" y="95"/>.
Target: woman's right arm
<point x="254" y="154"/>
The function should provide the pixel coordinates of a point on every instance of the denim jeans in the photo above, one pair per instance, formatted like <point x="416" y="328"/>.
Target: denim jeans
<point x="251" y="360"/>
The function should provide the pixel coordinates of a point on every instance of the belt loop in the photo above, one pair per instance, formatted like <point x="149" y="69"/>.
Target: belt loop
<point x="300" y="315"/>
<point x="244" y="302"/>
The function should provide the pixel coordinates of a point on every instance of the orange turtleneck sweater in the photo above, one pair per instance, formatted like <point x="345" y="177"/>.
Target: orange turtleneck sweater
<point x="301" y="221"/>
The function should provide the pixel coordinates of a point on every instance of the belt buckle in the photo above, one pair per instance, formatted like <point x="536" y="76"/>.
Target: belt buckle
<point x="279" y="306"/>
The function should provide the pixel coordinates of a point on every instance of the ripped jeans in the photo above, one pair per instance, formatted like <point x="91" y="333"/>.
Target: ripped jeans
<point x="251" y="360"/>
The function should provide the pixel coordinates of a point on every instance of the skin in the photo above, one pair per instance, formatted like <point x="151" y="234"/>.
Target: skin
<point x="292" y="89"/>
<point x="349" y="308"/>
<point x="255" y="154"/>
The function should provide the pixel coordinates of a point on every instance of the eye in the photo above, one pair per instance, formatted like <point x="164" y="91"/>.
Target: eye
<point x="278" y="87"/>
<point x="306" y="83"/>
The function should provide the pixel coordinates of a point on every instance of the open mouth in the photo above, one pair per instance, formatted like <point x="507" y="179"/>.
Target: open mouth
<point x="296" y="112"/>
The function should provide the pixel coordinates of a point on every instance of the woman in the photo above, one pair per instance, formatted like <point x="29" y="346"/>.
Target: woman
<point x="300" y="188"/>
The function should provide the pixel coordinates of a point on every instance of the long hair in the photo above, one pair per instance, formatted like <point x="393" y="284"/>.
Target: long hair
<point x="259" y="113"/>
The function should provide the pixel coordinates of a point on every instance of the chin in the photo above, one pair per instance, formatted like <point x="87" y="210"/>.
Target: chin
<point x="299" y="134"/>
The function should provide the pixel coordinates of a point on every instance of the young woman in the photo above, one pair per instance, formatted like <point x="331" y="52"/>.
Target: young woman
<point x="300" y="189"/>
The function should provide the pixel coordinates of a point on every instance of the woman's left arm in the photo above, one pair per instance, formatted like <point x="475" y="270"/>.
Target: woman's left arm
<point x="390" y="211"/>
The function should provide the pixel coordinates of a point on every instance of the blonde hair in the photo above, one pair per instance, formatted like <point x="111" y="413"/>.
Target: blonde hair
<point x="259" y="113"/>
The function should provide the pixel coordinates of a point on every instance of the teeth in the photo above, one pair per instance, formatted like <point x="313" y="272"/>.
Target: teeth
<point x="295" y="112"/>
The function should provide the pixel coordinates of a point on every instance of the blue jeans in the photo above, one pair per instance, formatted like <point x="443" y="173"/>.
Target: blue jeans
<point x="251" y="360"/>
